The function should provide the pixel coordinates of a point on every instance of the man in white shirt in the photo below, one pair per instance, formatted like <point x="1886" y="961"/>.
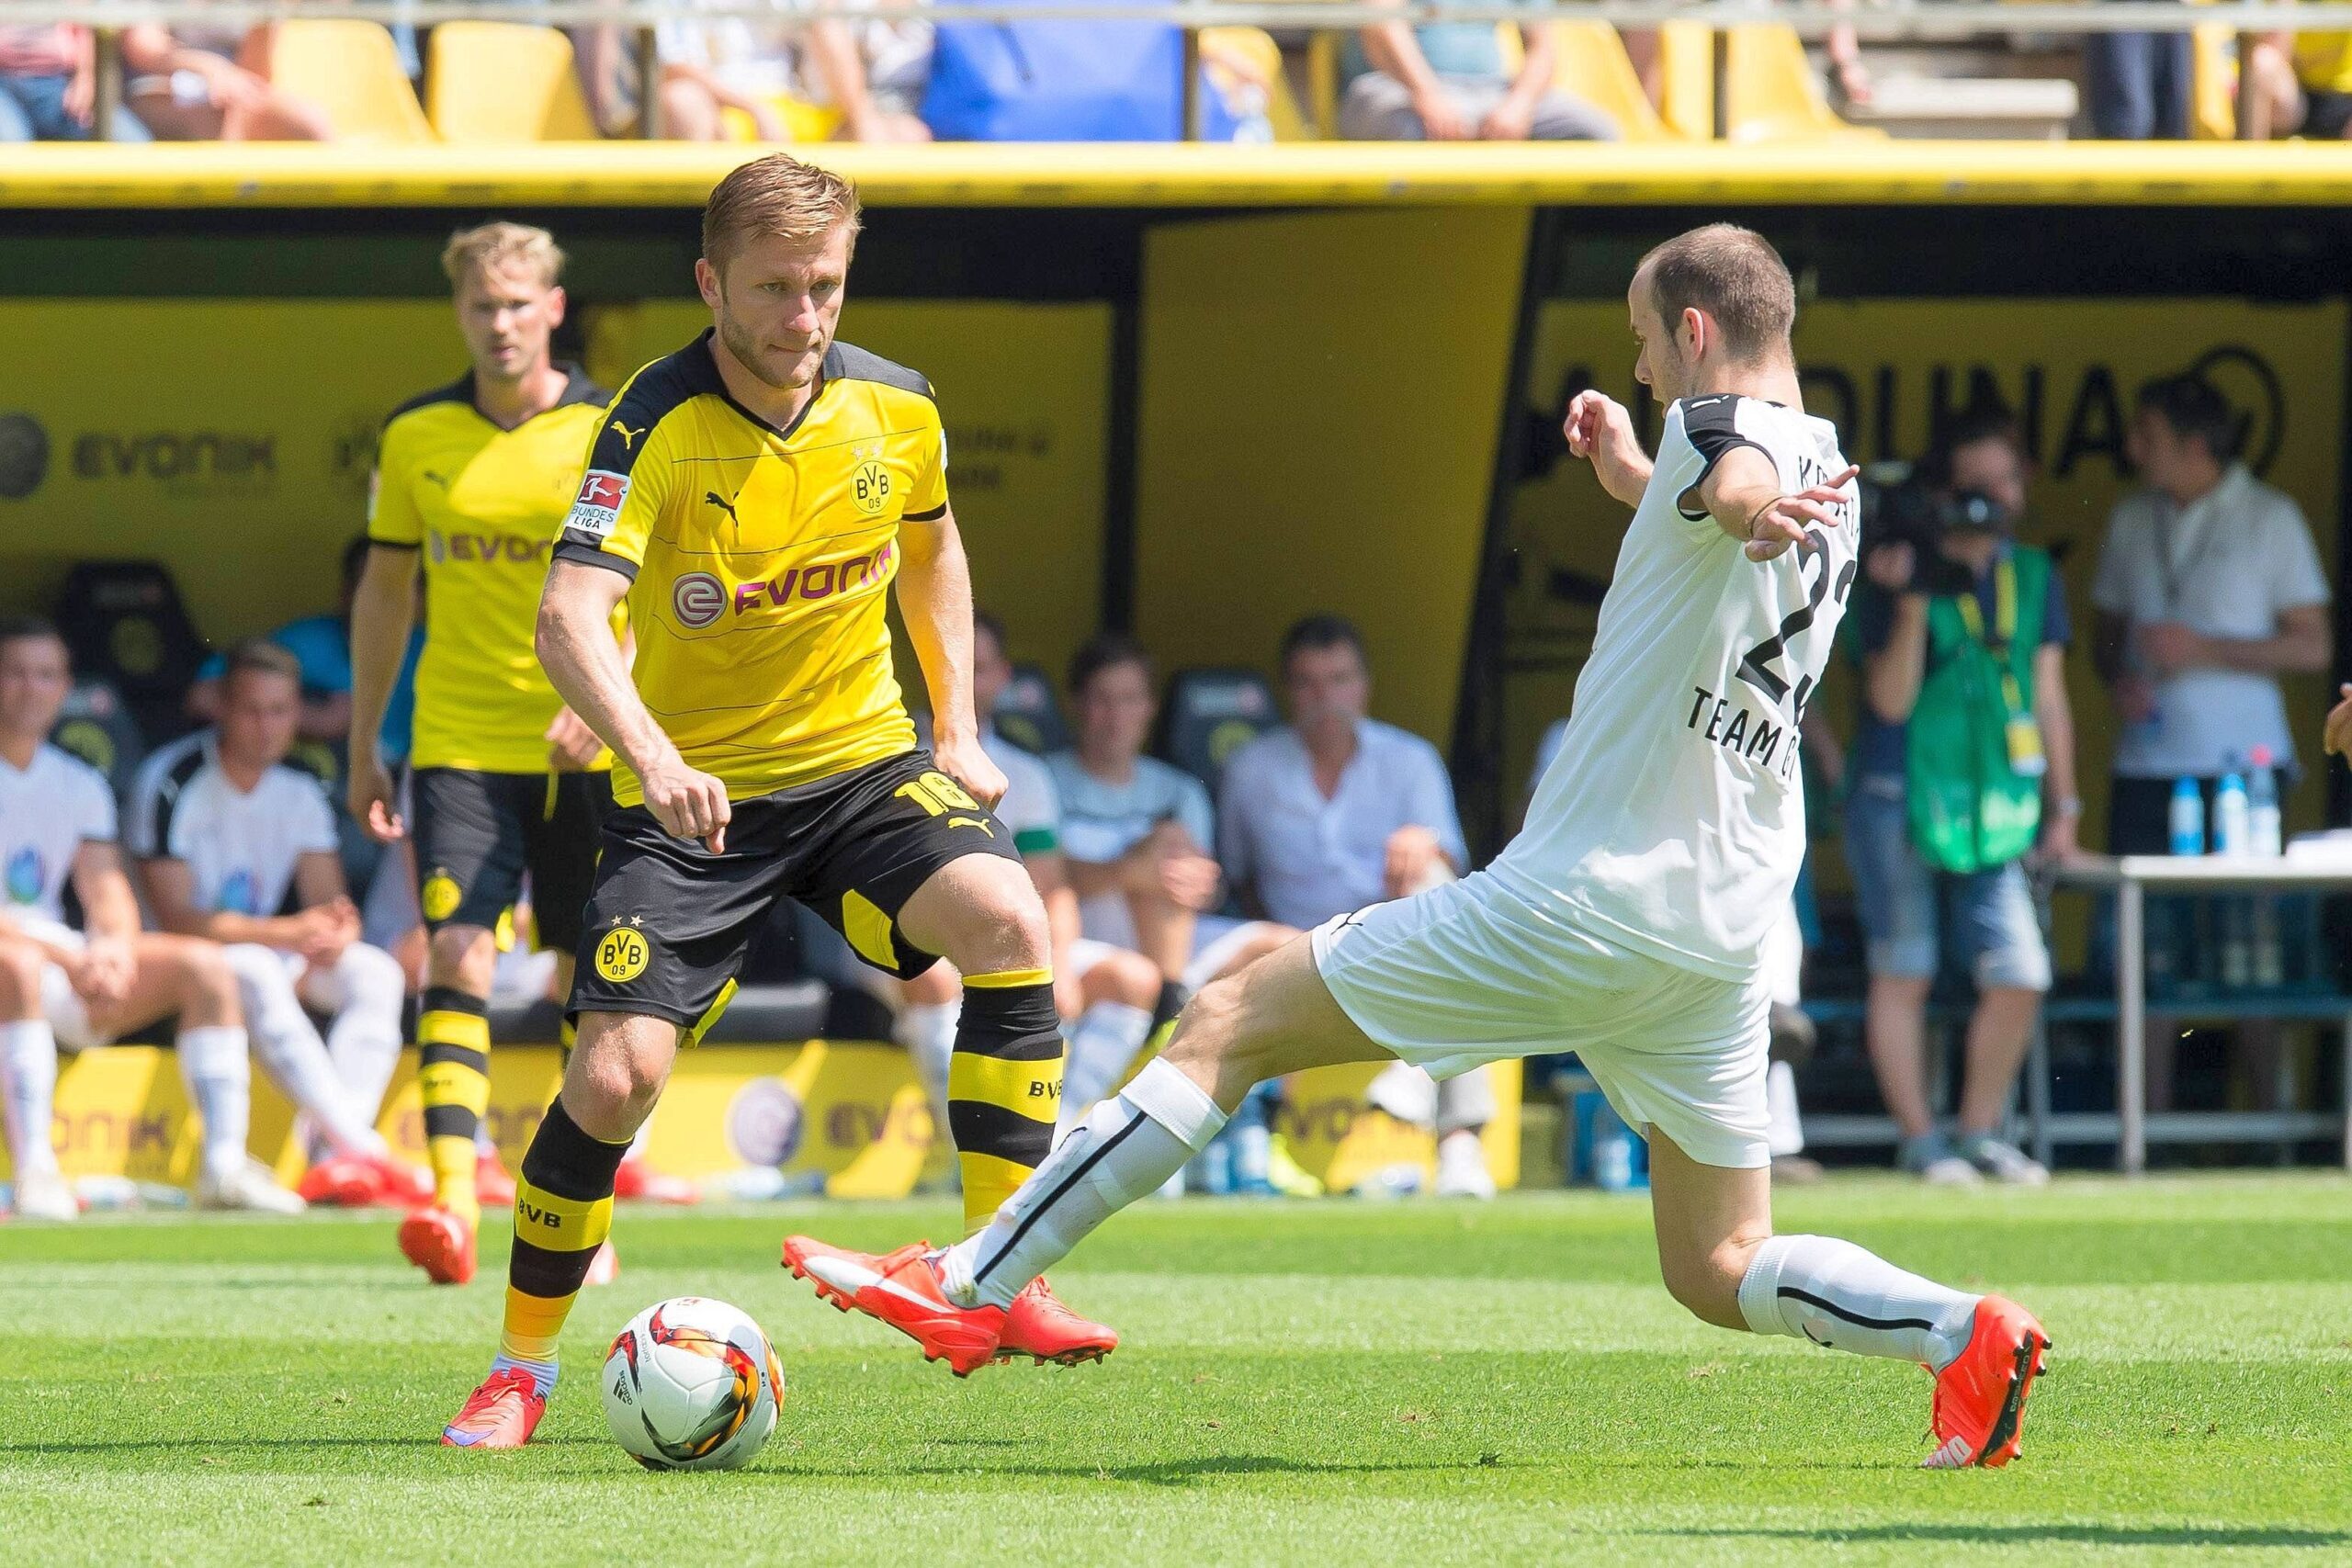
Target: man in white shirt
<point x="2209" y="589"/>
<point x="84" y="988"/>
<point x="1623" y="924"/>
<point x="1335" y="811"/>
<point x="236" y="847"/>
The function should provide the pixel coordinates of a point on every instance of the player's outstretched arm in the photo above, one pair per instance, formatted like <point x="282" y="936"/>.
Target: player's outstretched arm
<point x="935" y="601"/>
<point x="585" y="662"/>
<point x="1742" y="493"/>
<point x="1601" y="431"/>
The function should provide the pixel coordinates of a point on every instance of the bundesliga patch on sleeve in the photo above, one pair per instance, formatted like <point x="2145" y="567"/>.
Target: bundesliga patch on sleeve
<point x="599" y="505"/>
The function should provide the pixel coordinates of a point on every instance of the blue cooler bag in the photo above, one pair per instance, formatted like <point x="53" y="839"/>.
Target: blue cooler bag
<point x="1064" y="81"/>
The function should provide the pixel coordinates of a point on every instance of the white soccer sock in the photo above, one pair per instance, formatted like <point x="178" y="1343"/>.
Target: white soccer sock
<point x="928" y="1032"/>
<point x="1127" y="1147"/>
<point x="1835" y="1294"/>
<point x="364" y="1041"/>
<point x="1102" y="1045"/>
<point x="219" y="1085"/>
<point x="291" y="1051"/>
<point x="29" y="1057"/>
<point x="1784" y="1132"/>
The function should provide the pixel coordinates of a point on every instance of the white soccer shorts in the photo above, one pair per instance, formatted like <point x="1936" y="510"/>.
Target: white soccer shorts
<point x="1466" y="974"/>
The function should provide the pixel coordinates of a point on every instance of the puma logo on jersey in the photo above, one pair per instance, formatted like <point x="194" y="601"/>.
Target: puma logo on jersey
<point x="713" y="498"/>
<point x="629" y="437"/>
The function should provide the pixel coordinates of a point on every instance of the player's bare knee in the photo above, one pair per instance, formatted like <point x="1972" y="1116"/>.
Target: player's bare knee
<point x="1705" y="1280"/>
<point x="1213" y="1046"/>
<point x="463" y="958"/>
<point x="207" y="983"/>
<point x="614" y="1081"/>
<point x="20" y="972"/>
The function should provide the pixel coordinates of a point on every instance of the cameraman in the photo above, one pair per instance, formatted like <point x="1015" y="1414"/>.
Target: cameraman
<point x="1965" y="752"/>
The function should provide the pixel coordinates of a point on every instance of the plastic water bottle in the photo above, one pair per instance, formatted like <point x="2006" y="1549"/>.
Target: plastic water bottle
<point x="2266" y="836"/>
<point x="2232" y="830"/>
<point x="2187" y="818"/>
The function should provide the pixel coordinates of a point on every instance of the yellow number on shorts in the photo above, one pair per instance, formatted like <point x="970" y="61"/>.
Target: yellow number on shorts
<point x="937" y="794"/>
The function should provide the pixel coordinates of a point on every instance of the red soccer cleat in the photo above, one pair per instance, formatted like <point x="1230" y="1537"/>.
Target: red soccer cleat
<point x="493" y="1188"/>
<point x="605" y="1268"/>
<point x="1037" y="1326"/>
<point x="405" y="1186"/>
<point x="341" y="1181"/>
<point x="1980" y="1399"/>
<point x="900" y="1289"/>
<point x="634" y="1182"/>
<point x="501" y="1414"/>
<point x="441" y="1244"/>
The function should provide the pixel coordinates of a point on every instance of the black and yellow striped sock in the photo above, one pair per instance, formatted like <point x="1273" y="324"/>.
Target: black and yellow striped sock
<point x="1004" y="1085"/>
<point x="563" y="1211"/>
<point x="453" y="1082"/>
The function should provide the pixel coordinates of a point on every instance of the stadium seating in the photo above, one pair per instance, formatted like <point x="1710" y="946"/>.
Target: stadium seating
<point x="1257" y="46"/>
<point x="1210" y="714"/>
<point x="125" y="624"/>
<point x="505" y="82"/>
<point x="1771" y="92"/>
<point x="1593" y="67"/>
<point x="354" y="68"/>
<point x="1685" y="58"/>
<point x="96" y="727"/>
<point x="1027" y="714"/>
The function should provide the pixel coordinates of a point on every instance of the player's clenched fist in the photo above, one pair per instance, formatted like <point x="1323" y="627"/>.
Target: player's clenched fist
<point x="1601" y="431"/>
<point x="688" y="804"/>
<point x="963" y="761"/>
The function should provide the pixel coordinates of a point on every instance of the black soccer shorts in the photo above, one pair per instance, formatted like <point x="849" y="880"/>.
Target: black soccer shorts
<point x="477" y="833"/>
<point x="668" y="922"/>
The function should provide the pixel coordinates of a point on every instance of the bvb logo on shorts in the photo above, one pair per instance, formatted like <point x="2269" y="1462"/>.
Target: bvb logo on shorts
<point x="439" y="896"/>
<point x="871" y="488"/>
<point x="622" y="954"/>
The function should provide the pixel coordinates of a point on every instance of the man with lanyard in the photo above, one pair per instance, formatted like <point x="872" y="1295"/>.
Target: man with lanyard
<point x="1964" y="755"/>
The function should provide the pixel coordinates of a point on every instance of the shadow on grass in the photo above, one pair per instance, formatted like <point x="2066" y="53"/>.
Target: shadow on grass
<point x="261" y="1446"/>
<point x="2027" y="1535"/>
<point x="1161" y="1473"/>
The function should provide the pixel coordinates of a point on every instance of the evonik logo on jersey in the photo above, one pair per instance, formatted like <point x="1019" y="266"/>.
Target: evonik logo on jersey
<point x="486" y="548"/>
<point x="698" y="599"/>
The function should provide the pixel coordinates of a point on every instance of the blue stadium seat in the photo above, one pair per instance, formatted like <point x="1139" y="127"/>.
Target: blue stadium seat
<point x="1210" y="714"/>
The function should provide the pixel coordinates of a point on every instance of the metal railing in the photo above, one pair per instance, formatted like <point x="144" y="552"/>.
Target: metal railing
<point x="1887" y="20"/>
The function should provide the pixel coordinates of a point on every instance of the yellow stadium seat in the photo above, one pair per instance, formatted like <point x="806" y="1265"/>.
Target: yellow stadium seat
<point x="803" y="121"/>
<point x="1266" y="56"/>
<point x="1593" y="67"/>
<point x="1772" y="92"/>
<point x="2213" y="86"/>
<point x="353" y="69"/>
<point x="505" y="81"/>
<point x="1686" y="56"/>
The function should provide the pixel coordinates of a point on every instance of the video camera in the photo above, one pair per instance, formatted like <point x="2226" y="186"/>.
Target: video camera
<point x="1903" y="509"/>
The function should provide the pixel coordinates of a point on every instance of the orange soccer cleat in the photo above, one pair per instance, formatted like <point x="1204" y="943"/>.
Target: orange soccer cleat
<point x="1039" y="1326"/>
<point x="501" y="1414"/>
<point x="902" y="1289"/>
<point x="440" y="1242"/>
<point x="493" y="1188"/>
<point x="341" y="1181"/>
<point x="637" y="1182"/>
<point x="1980" y="1399"/>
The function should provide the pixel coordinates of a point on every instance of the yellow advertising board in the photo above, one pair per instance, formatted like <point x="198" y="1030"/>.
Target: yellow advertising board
<point x="1886" y="371"/>
<point x="1025" y="390"/>
<point x="847" y="1117"/>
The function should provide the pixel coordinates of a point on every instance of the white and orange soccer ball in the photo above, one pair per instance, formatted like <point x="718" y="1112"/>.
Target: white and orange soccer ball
<point x="691" y="1385"/>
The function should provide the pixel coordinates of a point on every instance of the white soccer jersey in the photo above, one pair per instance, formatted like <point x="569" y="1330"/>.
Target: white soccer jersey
<point x="1031" y="806"/>
<point x="240" y="849"/>
<point x="1673" y="814"/>
<point x="46" y="812"/>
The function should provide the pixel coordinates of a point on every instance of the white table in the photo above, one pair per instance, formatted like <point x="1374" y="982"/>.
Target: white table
<point x="2132" y="878"/>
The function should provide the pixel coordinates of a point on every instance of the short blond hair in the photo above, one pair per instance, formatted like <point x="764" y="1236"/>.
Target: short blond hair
<point x="777" y="195"/>
<point x="493" y="247"/>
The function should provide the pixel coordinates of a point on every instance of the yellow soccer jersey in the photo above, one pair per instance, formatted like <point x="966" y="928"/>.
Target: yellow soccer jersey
<point x="761" y="561"/>
<point x="484" y="505"/>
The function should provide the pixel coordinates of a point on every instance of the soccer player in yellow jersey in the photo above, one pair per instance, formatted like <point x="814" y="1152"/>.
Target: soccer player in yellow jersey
<point x="474" y="479"/>
<point x="753" y="498"/>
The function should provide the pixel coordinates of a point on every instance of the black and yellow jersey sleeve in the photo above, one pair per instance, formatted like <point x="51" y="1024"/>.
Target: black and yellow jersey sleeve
<point x="760" y="560"/>
<point x="484" y="505"/>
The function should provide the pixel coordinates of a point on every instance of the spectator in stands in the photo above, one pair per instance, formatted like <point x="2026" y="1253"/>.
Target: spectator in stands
<point x="2302" y="85"/>
<point x="711" y="65"/>
<point x="2139" y="84"/>
<point x="1337" y="810"/>
<point x="1966" y="750"/>
<point x="237" y="848"/>
<point x="200" y="83"/>
<point x="86" y="987"/>
<point x="49" y="86"/>
<point x="1447" y="81"/>
<point x="321" y="648"/>
<point x="875" y="73"/>
<point x="2209" y="589"/>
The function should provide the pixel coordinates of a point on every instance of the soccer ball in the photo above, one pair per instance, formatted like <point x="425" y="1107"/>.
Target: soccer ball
<point x="691" y="1385"/>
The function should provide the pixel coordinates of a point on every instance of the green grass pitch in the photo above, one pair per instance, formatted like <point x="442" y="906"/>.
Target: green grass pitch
<point x="1327" y="1383"/>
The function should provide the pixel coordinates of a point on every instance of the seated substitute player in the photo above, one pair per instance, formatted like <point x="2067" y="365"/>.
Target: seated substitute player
<point x="752" y="498"/>
<point x="1624" y="923"/>
<point x="84" y="988"/>
<point x="236" y="847"/>
<point x="473" y="479"/>
<point x="1111" y="998"/>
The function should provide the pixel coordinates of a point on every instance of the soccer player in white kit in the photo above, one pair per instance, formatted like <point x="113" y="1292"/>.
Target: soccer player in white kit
<point x="85" y="988"/>
<point x="235" y="846"/>
<point x="1624" y="923"/>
